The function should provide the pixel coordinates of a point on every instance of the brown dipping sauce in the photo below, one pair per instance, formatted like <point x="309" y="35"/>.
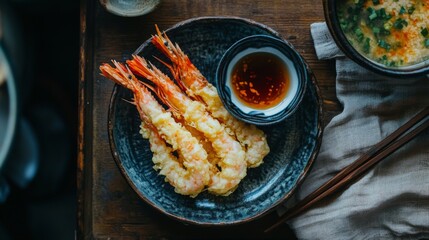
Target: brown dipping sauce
<point x="260" y="80"/>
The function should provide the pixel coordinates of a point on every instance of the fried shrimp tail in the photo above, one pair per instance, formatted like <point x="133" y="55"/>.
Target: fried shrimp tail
<point x="190" y="79"/>
<point x="192" y="173"/>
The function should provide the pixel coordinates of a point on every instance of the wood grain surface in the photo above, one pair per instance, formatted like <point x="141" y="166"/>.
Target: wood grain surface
<point x="108" y="208"/>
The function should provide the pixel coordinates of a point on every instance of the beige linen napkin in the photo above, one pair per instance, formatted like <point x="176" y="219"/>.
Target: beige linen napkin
<point x="392" y="200"/>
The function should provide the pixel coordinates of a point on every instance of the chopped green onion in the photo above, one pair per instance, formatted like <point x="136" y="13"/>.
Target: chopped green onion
<point x="387" y="26"/>
<point x="359" y="34"/>
<point x="388" y="16"/>
<point x="383" y="60"/>
<point x="381" y="12"/>
<point x="424" y="32"/>
<point x="384" y="32"/>
<point x="351" y="25"/>
<point x="426" y="42"/>
<point x="400" y="23"/>
<point x="358" y="31"/>
<point x="359" y="3"/>
<point x="366" y="45"/>
<point x="376" y="30"/>
<point x="376" y="2"/>
<point x="411" y="9"/>
<point x="383" y="44"/>
<point x="402" y="10"/>
<point x="372" y="13"/>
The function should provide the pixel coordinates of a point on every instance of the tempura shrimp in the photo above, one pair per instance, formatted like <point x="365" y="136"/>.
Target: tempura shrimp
<point x="193" y="174"/>
<point x="190" y="79"/>
<point x="232" y="161"/>
<point x="211" y="154"/>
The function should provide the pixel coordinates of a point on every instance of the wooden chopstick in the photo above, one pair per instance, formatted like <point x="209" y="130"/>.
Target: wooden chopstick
<point x="378" y="152"/>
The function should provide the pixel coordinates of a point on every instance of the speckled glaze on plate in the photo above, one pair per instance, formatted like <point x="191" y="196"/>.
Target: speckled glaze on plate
<point x="294" y="142"/>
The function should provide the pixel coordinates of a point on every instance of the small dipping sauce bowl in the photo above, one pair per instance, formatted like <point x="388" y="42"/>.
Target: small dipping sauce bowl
<point x="261" y="79"/>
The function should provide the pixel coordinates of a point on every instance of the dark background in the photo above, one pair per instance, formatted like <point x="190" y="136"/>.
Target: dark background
<point x="47" y="36"/>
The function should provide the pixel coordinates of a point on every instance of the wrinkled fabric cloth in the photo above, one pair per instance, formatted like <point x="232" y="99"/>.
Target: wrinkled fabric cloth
<point x="391" y="201"/>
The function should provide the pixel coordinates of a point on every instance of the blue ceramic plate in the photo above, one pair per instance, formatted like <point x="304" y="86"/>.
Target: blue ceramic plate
<point x="294" y="142"/>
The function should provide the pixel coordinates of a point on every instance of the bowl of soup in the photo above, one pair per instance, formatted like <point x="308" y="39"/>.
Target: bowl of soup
<point x="389" y="37"/>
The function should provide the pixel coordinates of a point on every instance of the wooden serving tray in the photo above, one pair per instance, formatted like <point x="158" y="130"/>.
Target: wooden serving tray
<point x="108" y="208"/>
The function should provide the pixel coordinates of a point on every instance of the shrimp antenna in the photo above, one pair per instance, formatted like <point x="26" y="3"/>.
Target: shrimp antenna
<point x="174" y="72"/>
<point x="129" y="101"/>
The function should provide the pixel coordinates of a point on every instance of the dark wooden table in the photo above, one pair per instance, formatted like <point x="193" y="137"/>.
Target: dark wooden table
<point x="108" y="208"/>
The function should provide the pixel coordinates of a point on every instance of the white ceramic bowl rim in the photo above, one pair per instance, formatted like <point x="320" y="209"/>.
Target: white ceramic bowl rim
<point x="292" y="72"/>
<point x="280" y="48"/>
<point x="130" y="8"/>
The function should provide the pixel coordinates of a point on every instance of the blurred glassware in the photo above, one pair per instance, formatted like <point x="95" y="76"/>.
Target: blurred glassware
<point x="11" y="40"/>
<point x="18" y="145"/>
<point x="8" y="118"/>
<point x="23" y="161"/>
<point x="54" y="150"/>
<point x="8" y="108"/>
<point x="130" y="8"/>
